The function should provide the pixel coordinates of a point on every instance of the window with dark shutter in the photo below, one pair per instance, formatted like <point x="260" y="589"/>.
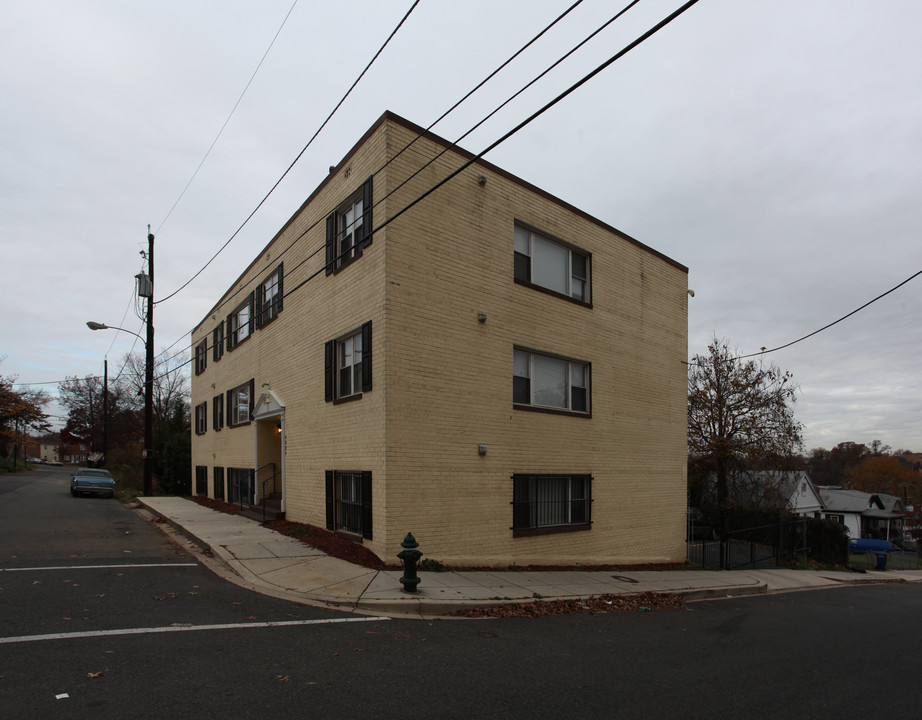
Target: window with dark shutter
<point x="240" y="323"/>
<point x="201" y="357"/>
<point x="347" y="368"/>
<point x="201" y="421"/>
<point x="217" y="412"/>
<point x="217" y="342"/>
<point x="349" y="229"/>
<point x="269" y="298"/>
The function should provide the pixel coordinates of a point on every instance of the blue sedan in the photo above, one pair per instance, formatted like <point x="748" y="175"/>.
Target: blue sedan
<point x="92" y="481"/>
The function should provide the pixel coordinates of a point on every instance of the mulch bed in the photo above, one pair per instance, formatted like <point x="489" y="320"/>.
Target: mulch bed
<point x="319" y="538"/>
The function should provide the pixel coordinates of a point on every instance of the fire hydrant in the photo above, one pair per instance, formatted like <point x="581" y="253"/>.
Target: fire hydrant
<point x="410" y="556"/>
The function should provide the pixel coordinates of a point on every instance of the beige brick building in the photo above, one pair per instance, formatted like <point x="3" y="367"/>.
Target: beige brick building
<point x="492" y="370"/>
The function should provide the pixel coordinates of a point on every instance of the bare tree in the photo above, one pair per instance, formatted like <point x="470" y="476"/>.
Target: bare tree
<point x="739" y="414"/>
<point x="171" y="383"/>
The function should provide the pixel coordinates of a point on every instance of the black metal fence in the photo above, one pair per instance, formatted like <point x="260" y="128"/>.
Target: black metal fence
<point x="787" y="542"/>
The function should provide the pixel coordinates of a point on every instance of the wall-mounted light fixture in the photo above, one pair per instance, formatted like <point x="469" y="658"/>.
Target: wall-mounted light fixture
<point x="482" y="449"/>
<point x="481" y="317"/>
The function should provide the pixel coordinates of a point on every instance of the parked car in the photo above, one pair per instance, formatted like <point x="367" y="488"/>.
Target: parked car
<point x="698" y="526"/>
<point x="92" y="481"/>
<point x="34" y="460"/>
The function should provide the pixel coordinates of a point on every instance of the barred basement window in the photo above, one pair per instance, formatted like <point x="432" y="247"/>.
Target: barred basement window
<point x="348" y="495"/>
<point x="551" y="503"/>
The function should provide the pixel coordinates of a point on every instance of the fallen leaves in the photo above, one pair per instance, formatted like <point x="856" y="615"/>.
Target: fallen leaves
<point x="640" y="602"/>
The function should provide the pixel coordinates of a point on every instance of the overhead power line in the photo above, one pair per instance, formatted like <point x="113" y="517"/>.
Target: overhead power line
<point x="479" y="85"/>
<point x="230" y="115"/>
<point x="614" y="58"/>
<point x="293" y="162"/>
<point x="834" y="322"/>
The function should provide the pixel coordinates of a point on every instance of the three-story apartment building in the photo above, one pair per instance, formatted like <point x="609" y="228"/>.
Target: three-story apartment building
<point x="492" y="369"/>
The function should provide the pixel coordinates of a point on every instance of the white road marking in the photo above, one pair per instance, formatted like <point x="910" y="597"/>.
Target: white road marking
<point x="182" y="628"/>
<point x="98" y="567"/>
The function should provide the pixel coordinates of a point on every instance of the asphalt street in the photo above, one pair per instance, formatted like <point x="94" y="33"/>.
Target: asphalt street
<point x="160" y="635"/>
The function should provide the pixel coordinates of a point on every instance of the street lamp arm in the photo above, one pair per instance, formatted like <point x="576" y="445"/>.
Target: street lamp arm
<point x="102" y="326"/>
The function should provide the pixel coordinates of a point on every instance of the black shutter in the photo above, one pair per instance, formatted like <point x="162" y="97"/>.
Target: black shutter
<point x="251" y="314"/>
<point x="260" y="301"/>
<point x="329" y="483"/>
<point x="366" y="504"/>
<point x="331" y="242"/>
<point x="230" y="332"/>
<point x="230" y="402"/>
<point x="278" y="296"/>
<point x="366" y="356"/>
<point x="521" y="501"/>
<point x="252" y="398"/>
<point x="328" y="371"/>
<point x="367" y="202"/>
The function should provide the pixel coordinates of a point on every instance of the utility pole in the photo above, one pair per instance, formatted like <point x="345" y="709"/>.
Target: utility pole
<point x="105" y="412"/>
<point x="149" y="374"/>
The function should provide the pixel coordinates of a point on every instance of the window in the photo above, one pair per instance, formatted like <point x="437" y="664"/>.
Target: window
<point x="240" y="404"/>
<point x="349" y="229"/>
<point x="218" y="483"/>
<point x="546" y="381"/>
<point x="838" y="518"/>
<point x="201" y="480"/>
<point x="549" y="503"/>
<point x="551" y="265"/>
<point x="217" y="412"/>
<point x="269" y="298"/>
<point x="240" y="485"/>
<point x="217" y="342"/>
<point x="201" y="421"/>
<point x="347" y="365"/>
<point x="348" y="494"/>
<point x="201" y="357"/>
<point x="240" y="323"/>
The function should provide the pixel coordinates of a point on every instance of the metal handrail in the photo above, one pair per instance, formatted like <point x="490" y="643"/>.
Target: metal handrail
<point x="262" y="494"/>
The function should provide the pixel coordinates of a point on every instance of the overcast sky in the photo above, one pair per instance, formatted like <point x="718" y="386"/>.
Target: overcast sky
<point x="774" y="148"/>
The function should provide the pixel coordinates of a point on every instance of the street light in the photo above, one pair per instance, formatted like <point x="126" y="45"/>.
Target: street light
<point x="102" y="326"/>
<point x="148" y="403"/>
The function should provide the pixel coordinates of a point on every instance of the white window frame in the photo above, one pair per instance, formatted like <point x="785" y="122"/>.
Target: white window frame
<point x="350" y="218"/>
<point x="201" y="418"/>
<point x="269" y="290"/>
<point x="241" y="405"/>
<point x="349" y="365"/>
<point x="577" y="285"/>
<point x="577" y="378"/>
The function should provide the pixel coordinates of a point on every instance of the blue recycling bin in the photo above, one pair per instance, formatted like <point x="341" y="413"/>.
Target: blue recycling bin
<point x="881" y="560"/>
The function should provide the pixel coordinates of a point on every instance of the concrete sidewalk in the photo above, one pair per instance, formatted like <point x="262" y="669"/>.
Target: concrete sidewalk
<point x="277" y="565"/>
